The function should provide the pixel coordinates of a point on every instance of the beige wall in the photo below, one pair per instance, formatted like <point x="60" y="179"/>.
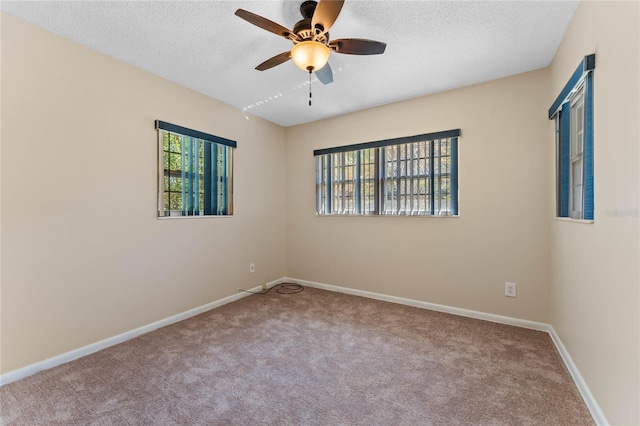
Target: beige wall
<point x="501" y="234"/>
<point x="595" y="276"/>
<point x="83" y="256"/>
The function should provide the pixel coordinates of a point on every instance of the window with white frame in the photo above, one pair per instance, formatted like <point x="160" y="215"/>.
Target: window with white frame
<point x="576" y="146"/>
<point x="573" y="114"/>
<point x="409" y="176"/>
<point x="195" y="172"/>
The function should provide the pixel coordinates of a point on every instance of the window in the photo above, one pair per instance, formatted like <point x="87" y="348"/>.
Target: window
<point x="573" y="113"/>
<point x="196" y="172"/>
<point x="410" y="176"/>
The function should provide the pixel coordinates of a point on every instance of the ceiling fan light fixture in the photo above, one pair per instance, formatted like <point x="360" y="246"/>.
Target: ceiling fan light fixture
<point x="310" y="55"/>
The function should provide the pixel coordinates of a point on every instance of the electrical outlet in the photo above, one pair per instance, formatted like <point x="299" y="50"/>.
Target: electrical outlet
<point x="252" y="268"/>
<point x="264" y="287"/>
<point x="510" y="289"/>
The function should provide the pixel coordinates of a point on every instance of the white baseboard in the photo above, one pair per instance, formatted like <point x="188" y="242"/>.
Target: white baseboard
<point x="587" y="396"/>
<point x="589" y="400"/>
<point x="426" y="305"/>
<point x="23" y="372"/>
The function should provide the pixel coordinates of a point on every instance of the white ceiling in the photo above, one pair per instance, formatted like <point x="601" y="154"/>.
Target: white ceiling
<point x="432" y="46"/>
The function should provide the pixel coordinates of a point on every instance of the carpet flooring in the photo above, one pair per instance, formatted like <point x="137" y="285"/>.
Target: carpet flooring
<point x="310" y="358"/>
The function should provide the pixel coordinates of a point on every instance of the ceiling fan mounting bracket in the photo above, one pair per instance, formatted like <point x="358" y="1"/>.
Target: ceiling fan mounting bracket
<point x="307" y="8"/>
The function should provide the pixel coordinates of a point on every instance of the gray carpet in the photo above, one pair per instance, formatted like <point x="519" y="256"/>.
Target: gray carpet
<point x="311" y="358"/>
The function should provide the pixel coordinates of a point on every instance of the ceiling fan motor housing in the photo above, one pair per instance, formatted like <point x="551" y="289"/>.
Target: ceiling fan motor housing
<point x="302" y="28"/>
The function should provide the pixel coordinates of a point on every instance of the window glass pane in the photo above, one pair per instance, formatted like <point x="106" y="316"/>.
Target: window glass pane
<point x="577" y="172"/>
<point x="445" y="196"/>
<point x="576" y="185"/>
<point x="175" y="201"/>
<point x="175" y="143"/>
<point x="577" y="199"/>
<point x="175" y="183"/>
<point x="577" y="123"/>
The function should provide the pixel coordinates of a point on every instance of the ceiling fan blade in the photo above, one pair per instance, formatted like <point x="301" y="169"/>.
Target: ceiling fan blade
<point x="325" y="15"/>
<point x="264" y="23"/>
<point x="276" y="60"/>
<point x="357" y="46"/>
<point x="324" y="74"/>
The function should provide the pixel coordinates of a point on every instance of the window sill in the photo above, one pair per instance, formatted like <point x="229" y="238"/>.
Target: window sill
<point x="568" y="219"/>
<point x="192" y="217"/>
<point x="384" y="215"/>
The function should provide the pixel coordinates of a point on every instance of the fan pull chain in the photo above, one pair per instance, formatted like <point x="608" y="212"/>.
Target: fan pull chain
<point x="309" y="87"/>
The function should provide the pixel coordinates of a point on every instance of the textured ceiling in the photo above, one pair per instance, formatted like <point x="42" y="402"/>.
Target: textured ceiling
<point x="432" y="46"/>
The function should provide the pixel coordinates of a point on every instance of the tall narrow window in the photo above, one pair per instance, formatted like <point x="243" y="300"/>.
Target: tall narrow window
<point x="196" y="172"/>
<point x="411" y="176"/>
<point x="573" y="112"/>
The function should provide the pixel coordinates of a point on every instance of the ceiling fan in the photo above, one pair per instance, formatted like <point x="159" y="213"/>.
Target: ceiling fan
<point x="310" y="37"/>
